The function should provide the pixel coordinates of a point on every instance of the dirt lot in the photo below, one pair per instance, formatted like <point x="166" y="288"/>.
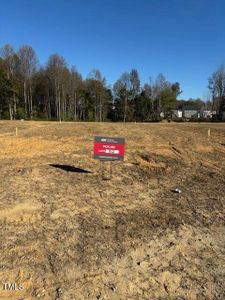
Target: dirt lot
<point x="67" y="234"/>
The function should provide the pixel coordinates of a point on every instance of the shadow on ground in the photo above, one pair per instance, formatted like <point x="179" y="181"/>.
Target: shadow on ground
<point x="69" y="168"/>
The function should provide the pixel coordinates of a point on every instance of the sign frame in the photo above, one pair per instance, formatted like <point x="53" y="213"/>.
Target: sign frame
<point x="109" y="148"/>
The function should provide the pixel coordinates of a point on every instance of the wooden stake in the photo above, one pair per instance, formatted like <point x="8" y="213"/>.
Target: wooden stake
<point x="105" y="172"/>
<point x="209" y="133"/>
<point x="110" y="169"/>
<point x="102" y="169"/>
<point x="16" y="131"/>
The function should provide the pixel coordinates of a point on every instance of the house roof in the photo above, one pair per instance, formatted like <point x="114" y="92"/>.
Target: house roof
<point x="190" y="107"/>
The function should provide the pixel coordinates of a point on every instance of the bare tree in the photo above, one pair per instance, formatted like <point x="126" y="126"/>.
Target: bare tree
<point x="135" y="82"/>
<point x="56" y="65"/>
<point x="27" y="64"/>
<point x="97" y="85"/>
<point x="11" y="62"/>
<point x="76" y="83"/>
<point x="216" y="85"/>
<point x="122" y="89"/>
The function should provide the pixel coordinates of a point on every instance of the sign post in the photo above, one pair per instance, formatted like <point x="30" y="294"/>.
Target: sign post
<point x="109" y="149"/>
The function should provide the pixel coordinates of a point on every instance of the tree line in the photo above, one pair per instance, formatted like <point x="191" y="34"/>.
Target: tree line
<point x="56" y="91"/>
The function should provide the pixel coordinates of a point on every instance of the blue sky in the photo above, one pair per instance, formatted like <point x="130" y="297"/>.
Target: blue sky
<point x="184" y="40"/>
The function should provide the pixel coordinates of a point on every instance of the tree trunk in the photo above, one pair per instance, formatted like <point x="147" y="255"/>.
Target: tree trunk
<point x="25" y="96"/>
<point x="59" y="103"/>
<point x="56" y="102"/>
<point x="125" y="109"/>
<point x="63" y="106"/>
<point x="75" y="106"/>
<point x="49" y="107"/>
<point x="100" y="107"/>
<point x="96" y="107"/>
<point x="14" y="106"/>
<point x="31" y="101"/>
<point x="10" y="111"/>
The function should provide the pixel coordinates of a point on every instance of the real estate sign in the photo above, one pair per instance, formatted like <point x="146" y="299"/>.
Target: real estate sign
<point x="107" y="148"/>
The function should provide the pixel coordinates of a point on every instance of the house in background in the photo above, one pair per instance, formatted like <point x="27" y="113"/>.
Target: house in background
<point x="191" y="112"/>
<point x="177" y="113"/>
<point x="207" y="114"/>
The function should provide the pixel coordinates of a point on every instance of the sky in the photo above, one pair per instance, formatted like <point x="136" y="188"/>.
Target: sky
<point x="183" y="39"/>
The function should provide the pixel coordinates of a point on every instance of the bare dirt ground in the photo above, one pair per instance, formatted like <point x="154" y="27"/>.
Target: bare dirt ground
<point x="67" y="234"/>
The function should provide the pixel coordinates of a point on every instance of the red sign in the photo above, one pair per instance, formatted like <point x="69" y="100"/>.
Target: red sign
<point x="106" y="148"/>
